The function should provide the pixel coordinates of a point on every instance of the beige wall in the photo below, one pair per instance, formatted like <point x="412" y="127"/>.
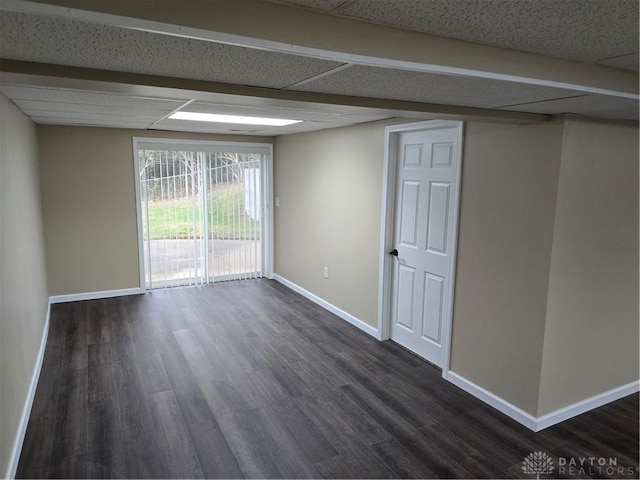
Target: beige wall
<point x="23" y="298"/>
<point x="591" y="336"/>
<point x="89" y="205"/>
<point x="509" y="184"/>
<point x="521" y="196"/>
<point x="519" y="321"/>
<point x="330" y="188"/>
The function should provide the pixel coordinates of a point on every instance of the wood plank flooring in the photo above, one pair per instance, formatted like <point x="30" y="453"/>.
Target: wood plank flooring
<point x="250" y="380"/>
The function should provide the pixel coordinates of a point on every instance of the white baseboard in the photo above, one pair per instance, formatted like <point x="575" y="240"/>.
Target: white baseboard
<point x="356" y="322"/>
<point x="76" y="297"/>
<point x="28" y="403"/>
<point x="545" y="421"/>
<point x="493" y="400"/>
<point x="587" y="404"/>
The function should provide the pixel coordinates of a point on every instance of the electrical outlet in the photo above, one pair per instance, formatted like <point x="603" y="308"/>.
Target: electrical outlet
<point x="325" y="272"/>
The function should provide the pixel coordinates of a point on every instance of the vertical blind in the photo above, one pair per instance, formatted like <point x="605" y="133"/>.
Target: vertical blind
<point x="201" y="214"/>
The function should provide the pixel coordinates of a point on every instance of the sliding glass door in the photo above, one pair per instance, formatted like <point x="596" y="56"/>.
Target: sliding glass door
<point x="201" y="211"/>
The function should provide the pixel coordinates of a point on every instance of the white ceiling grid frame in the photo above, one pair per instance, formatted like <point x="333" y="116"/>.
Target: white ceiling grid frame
<point x="629" y="91"/>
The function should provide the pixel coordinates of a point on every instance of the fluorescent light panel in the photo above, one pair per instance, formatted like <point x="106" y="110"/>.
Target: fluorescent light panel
<point x="218" y="118"/>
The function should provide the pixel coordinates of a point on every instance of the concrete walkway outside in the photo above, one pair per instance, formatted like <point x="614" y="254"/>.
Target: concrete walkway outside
<point x="177" y="259"/>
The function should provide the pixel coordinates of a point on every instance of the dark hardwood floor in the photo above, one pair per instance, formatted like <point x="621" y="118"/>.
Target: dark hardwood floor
<point x="247" y="379"/>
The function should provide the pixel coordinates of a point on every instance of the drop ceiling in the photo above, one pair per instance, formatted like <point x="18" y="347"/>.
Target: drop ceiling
<point x="592" y="31"/>
<point x="329" y="92"/>
<point x="36" y="38"/>
<point x="430" y="88"/>
<point x="56" y="106"/>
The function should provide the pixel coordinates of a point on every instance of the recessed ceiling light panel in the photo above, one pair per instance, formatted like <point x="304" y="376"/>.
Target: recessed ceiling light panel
<point x="218" y="118"/>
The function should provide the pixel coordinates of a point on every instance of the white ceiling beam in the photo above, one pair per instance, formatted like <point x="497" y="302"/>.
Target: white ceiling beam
<point x="298" y="31"/>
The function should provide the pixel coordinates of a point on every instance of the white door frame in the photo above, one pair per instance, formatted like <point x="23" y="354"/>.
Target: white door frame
<point x="392" y="134"/>
<point x="267" y="194"/>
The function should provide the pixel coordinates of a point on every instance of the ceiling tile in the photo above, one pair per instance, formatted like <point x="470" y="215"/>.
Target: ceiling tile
<point x="89" y="123"/>
<point x="66" y="42"/>
<point x="583" y="30"/>
<point x="85" y="97"/>
<point x="89" y="117"/>
<point x="430" y="88"/>
<point x="33" y="107"/>
<point x="592" y="105"/>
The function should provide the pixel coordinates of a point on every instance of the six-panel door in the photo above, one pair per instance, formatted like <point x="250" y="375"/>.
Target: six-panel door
<point x="423" y="236"/>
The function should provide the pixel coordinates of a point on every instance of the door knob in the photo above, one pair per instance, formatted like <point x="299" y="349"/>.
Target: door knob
<point x="394" y="252"/>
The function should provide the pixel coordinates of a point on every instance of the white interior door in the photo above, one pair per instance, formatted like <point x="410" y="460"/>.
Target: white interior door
<point x="424" y="244"/>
